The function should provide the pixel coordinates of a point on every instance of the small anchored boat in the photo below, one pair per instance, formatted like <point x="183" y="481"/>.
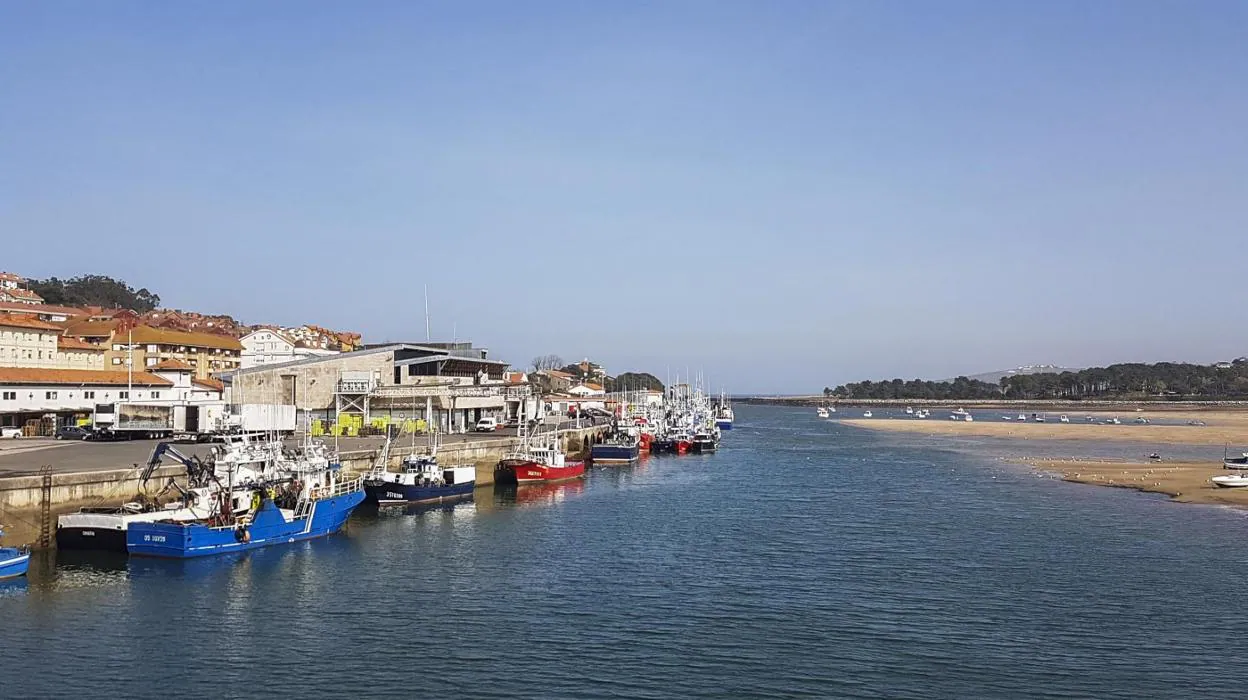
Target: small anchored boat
<point x="1230" y="481"/>
<point x="421" y="480"/>
<point x="14" y="561"/>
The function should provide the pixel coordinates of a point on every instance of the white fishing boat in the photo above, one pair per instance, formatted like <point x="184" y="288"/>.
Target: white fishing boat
<point x="1230" y="481"/>
<point x="866" y="414"/>
<point x="1022" y="416"/>
<point x="1063" y="419"/>
<point x="1007" y="418"/>
<point x="1113" y="421"/>
<point x="961" y="414"/>
<point x="909" y="411"/>
<point x="823" y="412"/>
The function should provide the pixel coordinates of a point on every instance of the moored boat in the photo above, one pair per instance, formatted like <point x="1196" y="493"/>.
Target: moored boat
<point x="104" y="528"/>
<point x="14" y="561"/>
<point x="621" y="448"/>
<point x="1230" y="481"/>
<point x="534" y="465"/>
<point x="1235" y="462"/>
<point x="421" y="480"/>
<point x="704" y="442"/>
<point x="310" y="500"/>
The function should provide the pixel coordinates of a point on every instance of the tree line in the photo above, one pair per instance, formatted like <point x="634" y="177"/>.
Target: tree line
<point x="95" y="290"/>
<point x="1164" y="380"/>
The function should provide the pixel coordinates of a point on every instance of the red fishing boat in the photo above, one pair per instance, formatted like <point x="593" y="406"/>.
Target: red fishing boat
<point x="535" y="465"/>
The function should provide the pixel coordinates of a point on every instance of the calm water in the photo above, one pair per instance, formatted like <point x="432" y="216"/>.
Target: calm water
<point x="806" y="559"/>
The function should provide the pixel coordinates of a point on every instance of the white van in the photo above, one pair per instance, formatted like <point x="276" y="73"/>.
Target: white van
<point x="487" y="425"/>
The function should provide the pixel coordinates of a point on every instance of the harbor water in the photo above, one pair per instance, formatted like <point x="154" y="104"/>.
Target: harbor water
<point x="804" y="559"/>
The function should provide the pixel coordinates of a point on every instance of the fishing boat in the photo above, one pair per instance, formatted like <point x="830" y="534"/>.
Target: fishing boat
<point x="311" y="500"/>
<point x="682" y="443"/>
<point x="620" y="448"/>
<point x="822" y="412"/>
<point x="1230" y="481"/>
<point x="534" y="464"/>
<point x="104" y="528"/>
<point x="1063" y="419"/>
<point x="1022" y="417"/>
<point x="961" y="414"/>
<point x="724" y="415"/>
<point x="866" y="414"/>
<point x="704" y="442"/>
<point x="420" y="480"/>
<point x="14" y="561"/>
<point x="909" y="411"/>
<point x="1113" y="421"/>
<point x="1038" y="417"/>
<point x="1010" y="418"/>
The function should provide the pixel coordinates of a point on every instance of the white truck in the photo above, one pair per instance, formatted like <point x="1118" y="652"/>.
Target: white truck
<point x="202" y="421"/>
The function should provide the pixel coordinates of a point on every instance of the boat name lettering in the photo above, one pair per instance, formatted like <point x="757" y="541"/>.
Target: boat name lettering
<point x="153" y="538"/>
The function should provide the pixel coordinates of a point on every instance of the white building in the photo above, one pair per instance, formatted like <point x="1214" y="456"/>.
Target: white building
<point x="32" y="393"/>
<point x="585" y="389"/>
<point x="269" y="346"/>
<point x="26" y="341"/>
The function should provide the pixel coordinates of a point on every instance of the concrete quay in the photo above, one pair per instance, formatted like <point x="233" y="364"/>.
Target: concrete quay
<point x="69" y="476"/>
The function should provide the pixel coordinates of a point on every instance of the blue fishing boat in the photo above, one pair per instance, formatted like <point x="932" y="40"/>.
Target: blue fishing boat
<point x="621" y="448"/>
<point x="313" y="501"/>
<point x="13" y="561"/>
<point x="422" y="480"/>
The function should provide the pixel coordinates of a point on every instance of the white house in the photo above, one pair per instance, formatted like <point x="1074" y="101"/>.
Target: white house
<point x="269" y="346"/>
<point x="585" y="389"/>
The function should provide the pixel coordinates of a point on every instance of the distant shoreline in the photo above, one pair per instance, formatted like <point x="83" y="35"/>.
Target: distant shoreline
<point x="1038" y="404"/>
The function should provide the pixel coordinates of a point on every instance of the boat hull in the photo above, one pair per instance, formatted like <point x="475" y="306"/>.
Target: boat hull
<point x="269" y="527"/>
<point x="13" y="563"/>
<point x="91" y="538"/>
<point x="391" y="494"/>
<point x="723" y="424"/>
<point x="614" y="454"/>
<point x="1237" y="464"/>
<point x="528" y="472"/>
<point x="703" y="446"/>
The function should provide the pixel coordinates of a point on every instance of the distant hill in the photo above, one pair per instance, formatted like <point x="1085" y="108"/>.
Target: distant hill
<point x="995" y="377"/>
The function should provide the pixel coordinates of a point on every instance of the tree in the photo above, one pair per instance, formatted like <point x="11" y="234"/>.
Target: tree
<point x="634" y="381"/>
<point x="95" y="290"/>
<point x="546" y="362"/>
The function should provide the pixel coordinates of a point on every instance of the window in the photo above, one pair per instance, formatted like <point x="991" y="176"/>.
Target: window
<point x="49" y="395"/>
<point x="118" y="346"/>
<point x="88" y="394"/>
<point x="155" y="394"/>
<point x="151" y="348"/>
<point x="151" y="361"/>
<point x="123" y="394"/>
<point x="10" y="396"/>
<point x="116" y="360"/>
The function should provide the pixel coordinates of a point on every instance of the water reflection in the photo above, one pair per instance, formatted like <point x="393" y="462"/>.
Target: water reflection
<point x="538" y="494"/>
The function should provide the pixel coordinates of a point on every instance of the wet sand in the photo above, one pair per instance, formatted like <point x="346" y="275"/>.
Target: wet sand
<point x="1185" y="482"/>
<point x="1223" y="428"/>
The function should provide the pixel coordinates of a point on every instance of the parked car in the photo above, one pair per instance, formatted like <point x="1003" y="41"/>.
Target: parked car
<point x="10" y="431"/>
<point x="487" y="425"/>
<point x="72" y="432"/>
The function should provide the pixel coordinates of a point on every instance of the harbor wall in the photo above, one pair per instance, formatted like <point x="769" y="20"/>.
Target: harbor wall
<point x="22" y="497"/>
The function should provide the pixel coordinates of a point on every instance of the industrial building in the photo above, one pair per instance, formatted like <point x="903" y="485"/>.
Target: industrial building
<point x="450" y="385"/>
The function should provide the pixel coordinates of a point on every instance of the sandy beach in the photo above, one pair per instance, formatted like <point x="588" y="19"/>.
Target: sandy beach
<point x="1186" y="482"/>
<point x="1222" y="428"/>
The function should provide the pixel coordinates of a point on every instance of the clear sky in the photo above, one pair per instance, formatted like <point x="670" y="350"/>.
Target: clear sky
<point x="785" y="195"/>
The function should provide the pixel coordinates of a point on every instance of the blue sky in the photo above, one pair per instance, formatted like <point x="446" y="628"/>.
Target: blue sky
<point x="785" y="195"/>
